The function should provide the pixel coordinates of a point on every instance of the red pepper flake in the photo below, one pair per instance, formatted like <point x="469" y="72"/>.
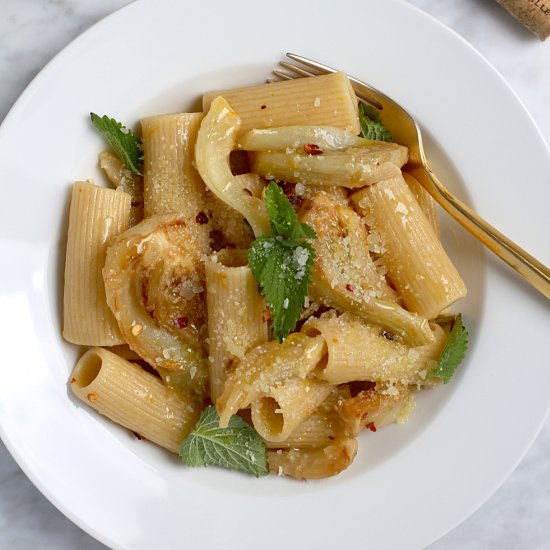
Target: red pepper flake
<point x="389" y="335"/>
<point x="312" y="149"/>
<point x="371" y="426"/>
<point x="349" y="287"/>
<point x="289" y="190"/>
<point x="263" y="107"/>
<point x="266" y="315"/>
<point x="201" y="218"/>
<point x="181" y="322"/>
<point x="92" y="397"/>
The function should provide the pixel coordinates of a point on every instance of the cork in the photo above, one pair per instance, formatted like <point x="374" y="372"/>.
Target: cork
<point x="533" y="14"/>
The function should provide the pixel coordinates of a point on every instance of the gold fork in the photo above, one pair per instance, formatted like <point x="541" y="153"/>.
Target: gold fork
<point x="406" y="131"/>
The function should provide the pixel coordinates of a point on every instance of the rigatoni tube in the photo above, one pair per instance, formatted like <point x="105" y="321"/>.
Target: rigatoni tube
<point x="267" y="367"/>
<point x="133" y="398"/>
<point x="365" y="352"/>
<point x="171" y="183"/>
<point x="417" y="263"/>
<point x="327" y="100"/>
<point x="282" y="409"/>
<point x="96" y="215"/>
<point x="236" y="314"/>
<point x="321" y="427"/>
<point x="426" y="202"/>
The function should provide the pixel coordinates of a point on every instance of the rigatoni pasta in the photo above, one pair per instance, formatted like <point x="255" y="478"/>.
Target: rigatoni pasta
<point x="326" y="100"/>
<point x="361" y="351"/>
<point x="417" y="263"/>
<point x="237" y="321"/>
<point x="280" y="292"/>
<point x="279" y="412"/>
<point x="171" y="182"/>
<point x="136" y="399"/>
<point x="96" y="216"/>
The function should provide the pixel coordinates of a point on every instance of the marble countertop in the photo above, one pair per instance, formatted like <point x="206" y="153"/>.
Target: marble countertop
<point x="517" y="516"/>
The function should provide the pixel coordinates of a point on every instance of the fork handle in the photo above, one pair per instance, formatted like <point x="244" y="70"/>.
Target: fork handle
<point x="533" y="271"/>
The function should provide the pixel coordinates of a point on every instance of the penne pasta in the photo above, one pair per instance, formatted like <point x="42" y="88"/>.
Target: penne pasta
<point x="96" y="216"/>
<point x="133" y="398"/>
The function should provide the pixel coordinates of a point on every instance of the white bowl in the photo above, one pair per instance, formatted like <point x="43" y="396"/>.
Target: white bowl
<point x="409" y="484"/>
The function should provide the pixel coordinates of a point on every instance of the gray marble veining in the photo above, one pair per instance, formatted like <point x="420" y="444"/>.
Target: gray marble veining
<point x="517" y="516"/>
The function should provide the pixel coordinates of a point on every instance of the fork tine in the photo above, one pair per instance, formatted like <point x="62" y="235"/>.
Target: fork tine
<point x="360" y="88"/>
<point x="295" y="69"/>
<point x="282" y="74"/>
<point x="310" y="63"/>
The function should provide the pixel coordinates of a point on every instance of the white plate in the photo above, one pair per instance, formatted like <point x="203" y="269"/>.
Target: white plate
<point x="409" y="484"/>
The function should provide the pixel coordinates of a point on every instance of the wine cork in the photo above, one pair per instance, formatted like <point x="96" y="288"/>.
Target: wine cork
<point x="533" y="14"/>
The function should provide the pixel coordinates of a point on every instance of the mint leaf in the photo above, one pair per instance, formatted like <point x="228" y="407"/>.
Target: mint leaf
<point x="283" y="270"/>
<point x="124" y="142"/>
<point x="237" y="447"/>
<point x="372" y="128"/>
<point x="282" y="263"/>
<point x="282" y="216"/>
<point x="453" y="352"/>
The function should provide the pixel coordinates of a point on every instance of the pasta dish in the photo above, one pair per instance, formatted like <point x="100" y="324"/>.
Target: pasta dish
<point x="262" y="281"/>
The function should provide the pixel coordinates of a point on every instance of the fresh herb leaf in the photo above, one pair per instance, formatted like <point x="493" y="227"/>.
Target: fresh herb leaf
<point x="453" y="352"/>
<point x="372" y="128"/>
<point x="124" y="142"/>
<point x="282" y="263"/>
<point x="237" y="447"/>
<point x="282" y="216"/>
<point x="282" y="269"/>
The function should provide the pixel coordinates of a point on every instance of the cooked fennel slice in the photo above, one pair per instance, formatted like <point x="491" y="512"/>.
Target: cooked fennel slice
<point x="355" y="167"/>
<point x="266" y="367"/>
<point x="345" y="277"/>
<point x="377" y="407"/>
<point x="215" y="141"/>
<point x="326" y="138"/>
<point x="314" y="463"/>
<point x="154" y="283"/>
<point x="126" y="181"/>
